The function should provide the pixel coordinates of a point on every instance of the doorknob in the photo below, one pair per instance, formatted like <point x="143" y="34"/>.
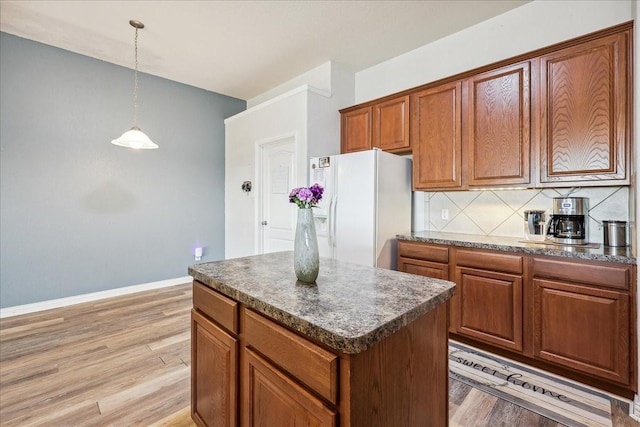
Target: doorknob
<point x="264" y="222"/>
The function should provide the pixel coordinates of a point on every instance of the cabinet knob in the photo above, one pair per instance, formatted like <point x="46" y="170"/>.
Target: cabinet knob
<point x="264" y="222"/>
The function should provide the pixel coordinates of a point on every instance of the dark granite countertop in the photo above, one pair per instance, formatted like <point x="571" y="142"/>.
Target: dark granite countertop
<point x="510" y="244"/>
<point x="350" y="308"/>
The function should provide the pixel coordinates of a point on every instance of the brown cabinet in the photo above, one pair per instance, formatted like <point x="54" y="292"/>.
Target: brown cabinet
<point x="214" y="388"/>
<point x="423" y="259"/>
<point x="265" y="374"/>
<point x="582" y="317"/>
<point x="214" y="355"/>
<point x="273" y="399"/>
<point x="391" y="125"/>
<point x="384" y="125"/>
<point x="482" y="122"/>
<point x="355" y="130"/>
<point x="585" y="118"/>
<point x="436" y="121"/>
<point x="572" y="317"/>
<point x="560" y="116"/>
<point x="489" y="297"/>
<point x="498" y="126"/>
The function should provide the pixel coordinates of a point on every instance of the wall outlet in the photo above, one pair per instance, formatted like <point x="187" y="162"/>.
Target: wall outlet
<point x="445" y="214"/>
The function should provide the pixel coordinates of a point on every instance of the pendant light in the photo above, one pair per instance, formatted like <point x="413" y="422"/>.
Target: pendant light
<point x="134" y="137"/>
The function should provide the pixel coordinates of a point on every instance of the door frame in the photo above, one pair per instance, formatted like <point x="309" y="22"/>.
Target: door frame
<point x="260" y="146"/>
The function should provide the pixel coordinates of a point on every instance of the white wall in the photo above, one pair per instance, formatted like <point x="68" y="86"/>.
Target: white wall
<point x="309" y="113"/>
<point x="526" y="28"/>
<point x="286" y="116"/>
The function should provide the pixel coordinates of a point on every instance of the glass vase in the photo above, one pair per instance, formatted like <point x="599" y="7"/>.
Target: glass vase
<point x="306" y="261"/>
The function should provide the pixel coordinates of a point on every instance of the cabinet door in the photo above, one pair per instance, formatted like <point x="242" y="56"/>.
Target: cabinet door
<point x="273" y="399"/>
<point x="583" y="328"/>
<point x="585" y="124"/>
<point x="213" y="374"/>
<point x="490" y="307"/>
<point x="436" y="137"/>
<point x="356" y="130"/>
<point x="391" y="125"/>
<point x="499" y="128"/>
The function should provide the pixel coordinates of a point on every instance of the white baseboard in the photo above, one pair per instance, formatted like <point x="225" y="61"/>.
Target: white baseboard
<point x="77" y="299"/>
<point x="634" y="408"/>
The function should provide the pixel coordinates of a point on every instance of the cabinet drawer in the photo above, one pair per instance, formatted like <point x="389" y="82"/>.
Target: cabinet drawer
<point x="489" y="261"/>
<point x="309" y="363"/>
<point x="424" y="251"/>
<point x="435" y="270"/>
<point x="215" y="305"/>
<point x="609" y="275"/>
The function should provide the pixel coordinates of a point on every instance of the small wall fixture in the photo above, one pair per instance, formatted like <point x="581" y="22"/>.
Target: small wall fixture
<point x="134" y="137"/>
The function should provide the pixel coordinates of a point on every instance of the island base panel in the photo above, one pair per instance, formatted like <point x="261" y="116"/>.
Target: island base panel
<point x="400" y="381"/>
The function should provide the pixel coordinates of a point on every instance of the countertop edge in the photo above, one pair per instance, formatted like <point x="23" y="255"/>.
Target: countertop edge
<point x="341" y="344"/>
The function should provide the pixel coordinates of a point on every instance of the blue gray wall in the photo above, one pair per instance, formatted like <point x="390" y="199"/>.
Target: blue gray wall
<point x="80" y="215"/>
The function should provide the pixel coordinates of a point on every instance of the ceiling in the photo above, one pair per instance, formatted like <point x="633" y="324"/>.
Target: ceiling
<point x="243" y="48"/>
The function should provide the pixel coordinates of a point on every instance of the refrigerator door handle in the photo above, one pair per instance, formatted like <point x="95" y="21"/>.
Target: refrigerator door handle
<point x="329" y="221"/>
<point x="332" y="225"/>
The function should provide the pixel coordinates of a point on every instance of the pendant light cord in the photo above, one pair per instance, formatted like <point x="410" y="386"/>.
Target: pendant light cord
<point x="135" y="84"/>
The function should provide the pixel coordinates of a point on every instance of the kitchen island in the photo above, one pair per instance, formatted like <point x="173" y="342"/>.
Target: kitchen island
<point x="361" y="347"/>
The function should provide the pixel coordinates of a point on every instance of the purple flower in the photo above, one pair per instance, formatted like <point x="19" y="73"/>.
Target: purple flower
<point x="305" y="197"/>
<point x="317" y="191"/>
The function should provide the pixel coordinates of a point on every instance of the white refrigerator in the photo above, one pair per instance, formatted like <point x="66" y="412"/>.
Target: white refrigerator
<point x="366" y="202"/>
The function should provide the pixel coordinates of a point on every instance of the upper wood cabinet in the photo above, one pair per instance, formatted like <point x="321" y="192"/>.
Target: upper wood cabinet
<point x="391" y="125"/>
<point x="560" y="116"/>
<point x="498" y="127"/>
<point x="355" y="129"/>
<point x="585" y="113"/>
<point x="384" y="125"/>
<point x="436" y="121"/>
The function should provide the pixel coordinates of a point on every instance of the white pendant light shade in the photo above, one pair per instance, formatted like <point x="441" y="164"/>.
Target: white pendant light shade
<point x="135" y="138"/>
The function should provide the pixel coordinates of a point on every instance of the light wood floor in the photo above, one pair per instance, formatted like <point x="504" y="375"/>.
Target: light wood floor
<point x="124" y="361"/>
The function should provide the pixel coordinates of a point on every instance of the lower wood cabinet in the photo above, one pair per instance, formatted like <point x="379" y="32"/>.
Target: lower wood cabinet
<point x="489" y="304"/>
<point x="424" y="268"/>
<point x="573" y="317"/>
<point x="273" y="399"/>
<point x="490" y="307"/>
<point x="582" y="317"/>
<point x="250" y="371"/>
<point x="583" y="328"/>
<point x="214" y="388"/>
<point x="424" y="260"/>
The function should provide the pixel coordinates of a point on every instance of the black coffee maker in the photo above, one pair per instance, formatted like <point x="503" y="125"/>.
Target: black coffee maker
<point x="569" y="219"/>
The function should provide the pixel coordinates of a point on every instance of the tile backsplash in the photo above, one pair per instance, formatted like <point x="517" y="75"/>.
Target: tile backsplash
<point x="501" y="212"/>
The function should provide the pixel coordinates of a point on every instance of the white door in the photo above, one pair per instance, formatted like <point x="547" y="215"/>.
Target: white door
<point x="278" y="222"/>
